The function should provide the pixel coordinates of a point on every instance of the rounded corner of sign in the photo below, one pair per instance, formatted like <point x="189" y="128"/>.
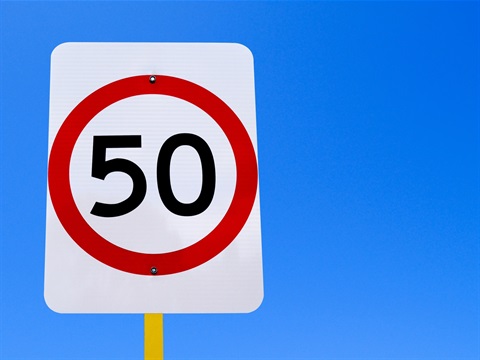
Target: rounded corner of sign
<point x="59" y="48"/>
<point x="245" y="49"/>
<point x="255" y="305"/>
<point x="51" y="304"/>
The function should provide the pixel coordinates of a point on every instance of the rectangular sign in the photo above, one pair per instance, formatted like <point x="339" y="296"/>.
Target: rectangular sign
<point x="153" y="199"/>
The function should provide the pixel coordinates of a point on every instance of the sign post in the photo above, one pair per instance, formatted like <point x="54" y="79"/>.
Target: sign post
<point x="153" y="346"/>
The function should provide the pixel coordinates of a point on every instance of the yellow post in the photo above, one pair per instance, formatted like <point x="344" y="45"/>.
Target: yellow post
<point x="153" y="336"/>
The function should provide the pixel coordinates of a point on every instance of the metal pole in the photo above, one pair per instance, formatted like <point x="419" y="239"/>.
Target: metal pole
<point x="153" y="336"/>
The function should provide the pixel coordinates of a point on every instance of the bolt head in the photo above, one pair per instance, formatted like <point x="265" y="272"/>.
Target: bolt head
<point x="152" y="79"/>
<point x="153" y="270"/>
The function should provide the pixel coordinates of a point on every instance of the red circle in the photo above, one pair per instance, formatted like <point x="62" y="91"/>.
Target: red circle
<point x="140" y="263"/>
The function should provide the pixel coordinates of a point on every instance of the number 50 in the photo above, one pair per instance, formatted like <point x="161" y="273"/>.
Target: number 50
<point x="102" y="167"/>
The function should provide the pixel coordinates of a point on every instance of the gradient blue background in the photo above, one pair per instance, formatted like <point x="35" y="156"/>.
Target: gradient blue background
<point x="368" y="132"/>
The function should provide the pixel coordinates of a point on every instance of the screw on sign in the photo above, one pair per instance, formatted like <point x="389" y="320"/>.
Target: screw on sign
<point x="214" y="269"/>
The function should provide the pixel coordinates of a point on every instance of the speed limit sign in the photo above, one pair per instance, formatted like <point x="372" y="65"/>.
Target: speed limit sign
<point x="153" y="199"/>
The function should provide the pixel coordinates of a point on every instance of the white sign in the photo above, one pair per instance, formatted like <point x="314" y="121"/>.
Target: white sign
<point x="153" y="201"/>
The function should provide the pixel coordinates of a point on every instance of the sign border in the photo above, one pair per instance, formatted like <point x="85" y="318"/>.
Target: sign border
<point x="141" y="263"/>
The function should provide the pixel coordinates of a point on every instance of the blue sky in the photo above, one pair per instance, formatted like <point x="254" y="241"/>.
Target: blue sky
<point x="368" y="139"/>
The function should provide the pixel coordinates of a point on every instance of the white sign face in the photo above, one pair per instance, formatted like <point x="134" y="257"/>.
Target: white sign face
<point x="153" y="200"/>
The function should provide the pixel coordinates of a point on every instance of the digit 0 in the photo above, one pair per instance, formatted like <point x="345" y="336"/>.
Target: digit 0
<point x="208" y="175"/>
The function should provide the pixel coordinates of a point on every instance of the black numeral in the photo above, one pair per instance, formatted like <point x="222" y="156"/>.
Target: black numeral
<point x="102" y="167"/>
<point x="208" y="175"/>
